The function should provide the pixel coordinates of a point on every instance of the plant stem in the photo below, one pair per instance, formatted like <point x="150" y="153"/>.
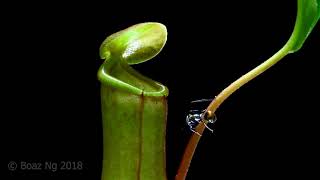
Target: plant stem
<point x="188" y="153"/>
<point x="246" y="78"/>
<point x="222" y="96"/>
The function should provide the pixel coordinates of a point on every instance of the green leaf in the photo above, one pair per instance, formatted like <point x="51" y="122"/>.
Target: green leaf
<point x="135" y="44"/>
<point x="307" y="17"/>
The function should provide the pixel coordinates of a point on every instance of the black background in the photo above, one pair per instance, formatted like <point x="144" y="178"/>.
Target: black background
<point x="51" y="102"/>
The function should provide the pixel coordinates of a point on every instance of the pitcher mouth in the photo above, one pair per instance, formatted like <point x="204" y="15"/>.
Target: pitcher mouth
<point x="124" y="77"/>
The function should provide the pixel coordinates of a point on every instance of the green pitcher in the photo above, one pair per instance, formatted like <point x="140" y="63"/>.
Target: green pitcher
<point x="134" y="107"/>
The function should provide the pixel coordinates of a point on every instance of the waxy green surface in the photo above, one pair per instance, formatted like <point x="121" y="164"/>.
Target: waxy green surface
<point x="308" y="14"/>
<point x="134" y="107"/>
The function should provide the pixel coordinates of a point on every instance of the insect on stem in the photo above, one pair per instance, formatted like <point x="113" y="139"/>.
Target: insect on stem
<point x="197" y="115"/>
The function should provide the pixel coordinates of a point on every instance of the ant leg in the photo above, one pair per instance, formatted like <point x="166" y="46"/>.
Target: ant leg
<point x="195" y="132"/>
<point x="205" y="124"/>
<point x="210" y="118"/>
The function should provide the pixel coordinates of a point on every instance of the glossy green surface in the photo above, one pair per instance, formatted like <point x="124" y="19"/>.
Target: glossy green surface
<point x="307" y="16"/>
<point x="134" y="107"/>
<point x="135" y="44"/>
